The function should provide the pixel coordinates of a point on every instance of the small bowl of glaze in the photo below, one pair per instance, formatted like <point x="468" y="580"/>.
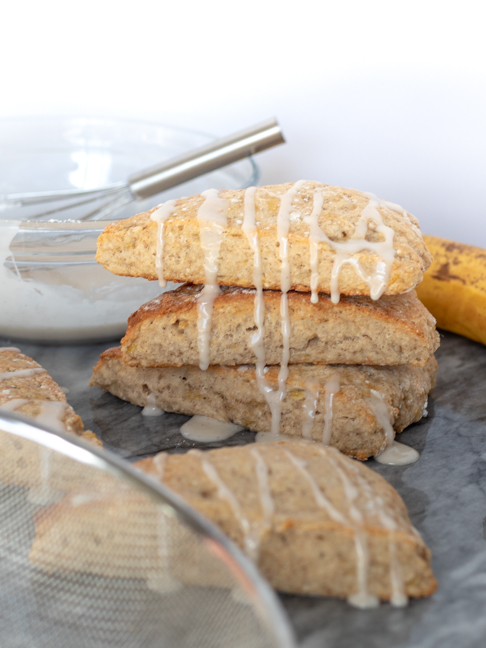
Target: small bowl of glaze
<point x="72" y="304"/>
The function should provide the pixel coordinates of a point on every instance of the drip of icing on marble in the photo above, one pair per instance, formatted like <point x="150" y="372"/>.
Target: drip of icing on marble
<point x="160" y="215"/>
<point x="331" y="388"/>
<point x="22" y="373"/>
<point x="378" y="280"/>
<point x="212" y="224"/>
<point x="310" y="407"/>
<point x="398" y="454"/>
<point x="9" y="349"/>
<point x="151" y="408"/>
<point x="207" y="430"/>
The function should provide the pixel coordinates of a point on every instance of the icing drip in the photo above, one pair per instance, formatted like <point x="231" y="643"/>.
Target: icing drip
<point x="314" y="238"/>
<point x="43" y="494"/>
<point x="331" y="387"/>
<point x="382" y="416"/>
<point x="398" y="454"/>
<point x="50" y="412"/>
<point x="398" y="210"/>
<point x="151" y="408"/>
<point x="379" y="507"/>
<point x="9" y="349"/>
<point x="21" y="373"/>
<point x="267" y="503"/>
<point x="270" y="437"/>
<point x="378" y="280"/>
<point x="310" y="407"/>
<point x="160" y="215"/>
<point x="251" y="543"/>
<point x="321" y="501"/>
<point x="159" y="462"/>
<point x="362" y="597"/>
<point x="212" y="223"/>
<point x="208" y="430"/>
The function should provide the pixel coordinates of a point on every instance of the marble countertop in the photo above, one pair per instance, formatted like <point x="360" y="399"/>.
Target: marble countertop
<point x="445" y="492"/>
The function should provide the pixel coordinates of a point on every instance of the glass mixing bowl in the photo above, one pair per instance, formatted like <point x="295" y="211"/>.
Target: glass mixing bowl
<point x="68" y="304"/>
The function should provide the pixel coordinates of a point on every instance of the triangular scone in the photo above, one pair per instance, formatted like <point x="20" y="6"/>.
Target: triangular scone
<point x="391" y="331"/>
<point x="313" y="520"/>
<point x="231" y="394"/>
<point x="129" y="247"/>
<point x="315" y="523"/>
<point x="27" y="389"/>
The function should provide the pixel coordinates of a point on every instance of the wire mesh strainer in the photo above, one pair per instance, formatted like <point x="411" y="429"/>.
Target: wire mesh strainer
<point x="146" y="570"/>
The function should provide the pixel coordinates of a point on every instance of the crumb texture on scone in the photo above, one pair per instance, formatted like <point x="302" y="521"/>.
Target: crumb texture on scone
<point x="129" y="247"/>
<point x="314" y="521"/>
<point x="231" y="394"/>
<point x="26" y="388"/>
<point x="394" y="330"/>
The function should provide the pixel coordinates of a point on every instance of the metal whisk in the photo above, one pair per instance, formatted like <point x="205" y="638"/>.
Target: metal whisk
<point x="154" y="180"/>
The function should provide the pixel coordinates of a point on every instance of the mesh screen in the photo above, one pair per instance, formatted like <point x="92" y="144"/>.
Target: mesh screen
<point x="88" y="558"/>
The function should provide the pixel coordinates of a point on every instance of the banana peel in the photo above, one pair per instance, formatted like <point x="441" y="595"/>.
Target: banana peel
<point x="454" y="287"/>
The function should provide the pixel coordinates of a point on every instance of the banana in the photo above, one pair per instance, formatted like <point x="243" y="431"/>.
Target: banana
<point x="454" y="287"/>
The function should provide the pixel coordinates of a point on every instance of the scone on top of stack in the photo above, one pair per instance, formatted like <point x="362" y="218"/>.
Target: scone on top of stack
<point x="316" y="332"/>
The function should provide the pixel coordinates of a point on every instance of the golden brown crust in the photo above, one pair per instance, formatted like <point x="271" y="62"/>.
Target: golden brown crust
<point x="391" y="331"/>
<point x="128" y="247"/>
<point x="231" y="394"/>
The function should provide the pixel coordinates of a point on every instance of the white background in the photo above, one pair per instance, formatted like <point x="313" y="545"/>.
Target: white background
<point x="388" y="97"/>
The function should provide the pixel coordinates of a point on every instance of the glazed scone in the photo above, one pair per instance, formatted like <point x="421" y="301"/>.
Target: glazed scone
<point x="314" y="521"/>
<point x="394" y="330"/>
<point x="27" y="389"/>
<point x="129" y="247"/>
<point x="231" y="394"/>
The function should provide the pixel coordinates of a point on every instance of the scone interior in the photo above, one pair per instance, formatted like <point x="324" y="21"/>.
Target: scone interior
<point x="231" y="394"/>
<point x="395" y="330"/>
<point x="377" y="245"/>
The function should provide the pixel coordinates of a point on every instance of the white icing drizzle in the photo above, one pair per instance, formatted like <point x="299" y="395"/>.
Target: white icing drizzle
<point x="207" y="430"/>
<point x="379" y="507"/>
<point x="382" y="416"/>
<point x="21" y="373"/>
<point x="314" y="238"/>
<point x="151" y="408"/>
<point x="251" y="542"/>
<point x="268" y="506"/>
<point x="159" y="462"/>
<point x="331" y="388"/>
<point x="310" y="407"/>
<point x="398" y="454"/>
<point x="50" y="412"/>
<point x="398" y="210"/>
<point x="212" y="223"/>
<point x="362" y="598"/>
<point x="270" y="437"/>
<point x="43" y="494"/>
<point x="321" y="501"/>
<point x="9" y="349"/>
<point x="378" y="280"/>
<point x="160" y="215"/>
<point x="162" y="581"/>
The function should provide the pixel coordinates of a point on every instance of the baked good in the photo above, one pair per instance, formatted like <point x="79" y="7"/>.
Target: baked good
<point x="372" y="246"/>
<point x="27" y="389"/>
<point x="315" y="522"/>
<point x="391" y="331"/>
<point x="349" y="420"/>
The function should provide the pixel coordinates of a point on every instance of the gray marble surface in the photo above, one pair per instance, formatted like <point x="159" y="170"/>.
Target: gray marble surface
<point x="445" y="492"/>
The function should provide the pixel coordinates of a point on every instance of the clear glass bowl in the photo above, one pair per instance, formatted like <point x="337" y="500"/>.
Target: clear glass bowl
<point x="84" y="303"/>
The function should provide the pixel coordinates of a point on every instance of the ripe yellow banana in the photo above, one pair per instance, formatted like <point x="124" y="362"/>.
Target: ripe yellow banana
<point x="454" y="287"/>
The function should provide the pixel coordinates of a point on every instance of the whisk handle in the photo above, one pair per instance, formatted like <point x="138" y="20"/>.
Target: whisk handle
<point x="207" y="158"/>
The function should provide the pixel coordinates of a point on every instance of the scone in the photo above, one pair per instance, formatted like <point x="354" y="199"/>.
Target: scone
<point x="348" y="421"/>
<point x="315" y="522"/>
<point x="333" y="239"/>
<point x="394" y="330"/>
<point x="27" y="389"/>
